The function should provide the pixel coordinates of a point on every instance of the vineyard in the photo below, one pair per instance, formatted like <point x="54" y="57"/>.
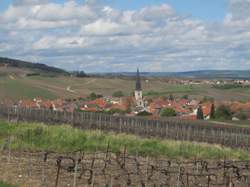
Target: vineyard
<point x="120" y="169"/>
<point x="60" y="156"/>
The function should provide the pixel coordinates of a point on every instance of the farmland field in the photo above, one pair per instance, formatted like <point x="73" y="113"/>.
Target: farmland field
<point x="17" y="87"/>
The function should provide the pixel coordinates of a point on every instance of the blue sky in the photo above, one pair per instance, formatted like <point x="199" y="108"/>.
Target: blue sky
<point x="202" y="9"/>
<point x="119" y="35"/>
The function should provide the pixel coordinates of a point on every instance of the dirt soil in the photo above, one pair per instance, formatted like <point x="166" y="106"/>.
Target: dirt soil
<point x="29" y="169"/>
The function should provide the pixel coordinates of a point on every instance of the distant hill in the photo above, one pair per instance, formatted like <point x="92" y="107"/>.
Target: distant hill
<point x="28" y="67"/>
<point x="223" y="74"/>
<point x="206" y="74"/>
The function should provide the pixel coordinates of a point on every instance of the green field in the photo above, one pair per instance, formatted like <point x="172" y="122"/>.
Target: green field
<point x="63" y="138"/>
<point x="17" y="87"/>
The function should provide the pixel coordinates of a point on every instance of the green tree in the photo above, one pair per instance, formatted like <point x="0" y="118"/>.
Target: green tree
<point x="223" y="112"/>
<point x="168" y="112"/>
<point x="92" y="96"/>
<point x="118" y="94"/>
<point x="185" y="96"/>
<point x="171" y="97"/>
<point x="199" y="114"/>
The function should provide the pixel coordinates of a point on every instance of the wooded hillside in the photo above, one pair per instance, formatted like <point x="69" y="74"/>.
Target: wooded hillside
<point x="30" y="65"/>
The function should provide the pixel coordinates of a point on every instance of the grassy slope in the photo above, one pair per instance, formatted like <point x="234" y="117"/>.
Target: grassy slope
<point x="19" y="88"/>
<point x="38" y="137"/>
<point x="49" y="87"/>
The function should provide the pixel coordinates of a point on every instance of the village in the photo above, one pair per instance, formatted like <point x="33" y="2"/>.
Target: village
<point x="137" y="105"/>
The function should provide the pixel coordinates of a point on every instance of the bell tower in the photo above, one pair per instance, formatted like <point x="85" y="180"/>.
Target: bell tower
<point x="138" y="91"/>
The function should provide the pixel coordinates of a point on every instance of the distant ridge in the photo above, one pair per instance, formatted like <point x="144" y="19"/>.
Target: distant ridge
<point x="29" y="65"/>
<point x="208" y="74"/>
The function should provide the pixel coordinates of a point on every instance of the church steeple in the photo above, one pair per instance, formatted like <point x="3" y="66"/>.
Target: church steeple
<point x="138" y="92"/>
<point x="138" y="81"/>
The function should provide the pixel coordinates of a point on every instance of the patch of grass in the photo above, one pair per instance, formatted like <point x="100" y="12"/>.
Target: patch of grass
<point x="63" y="138"/>
<point x="2" y="184"/>
<point x="173" y="89"/>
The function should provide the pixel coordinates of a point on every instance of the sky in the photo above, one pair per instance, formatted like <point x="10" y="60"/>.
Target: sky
<point x="121" y="35"/>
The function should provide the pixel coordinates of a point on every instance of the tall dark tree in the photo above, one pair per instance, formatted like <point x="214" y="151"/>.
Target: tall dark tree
<point x="171" y="97"/>
<point x="212" y="112"/>
<point x="200" y="115"/>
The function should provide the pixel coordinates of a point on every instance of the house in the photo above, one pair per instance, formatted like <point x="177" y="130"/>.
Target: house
<point x="156" y="105"/>
<point x="206" y="109"/>
<point x="26" y="103"/>
<point x="95" y="105"/>
<point x="48" y="104"/>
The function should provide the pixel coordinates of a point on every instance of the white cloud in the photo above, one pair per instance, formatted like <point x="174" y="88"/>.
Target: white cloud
<point x="101" y="27"/>
<point x="101" y="38"/>
<point x="60" y="43"/>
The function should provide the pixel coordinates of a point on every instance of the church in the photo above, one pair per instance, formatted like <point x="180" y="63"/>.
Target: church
<point x="138" y="93"/>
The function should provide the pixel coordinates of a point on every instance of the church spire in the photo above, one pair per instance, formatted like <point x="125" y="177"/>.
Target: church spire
<point x="138" y="81"/>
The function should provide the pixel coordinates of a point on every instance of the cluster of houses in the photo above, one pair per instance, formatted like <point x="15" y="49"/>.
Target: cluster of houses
<point x="210" y="82"/>
<point x="130" y="105"/>
<point x="184" y="108"/>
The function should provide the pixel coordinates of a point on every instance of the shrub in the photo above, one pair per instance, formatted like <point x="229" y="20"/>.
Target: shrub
<point x="168" y="112"/>
<point x="223" y="112"/>
<point x="118" y="94"/>
<point x="185" y="97"/>
<point x="94" y="96"/>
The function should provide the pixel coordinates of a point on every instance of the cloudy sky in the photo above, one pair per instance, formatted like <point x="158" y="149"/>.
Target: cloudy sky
<point x="120" y="35"/>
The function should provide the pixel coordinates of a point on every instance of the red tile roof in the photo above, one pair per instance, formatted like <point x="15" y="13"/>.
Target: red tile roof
<point x="236" y="106"/>
<point x="206" y="108"/>
<point x="100" y="102"/>
<point x="28" y="104"/>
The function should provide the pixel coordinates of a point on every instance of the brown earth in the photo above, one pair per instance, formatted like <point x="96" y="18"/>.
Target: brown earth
<point x="106" y="169"/>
